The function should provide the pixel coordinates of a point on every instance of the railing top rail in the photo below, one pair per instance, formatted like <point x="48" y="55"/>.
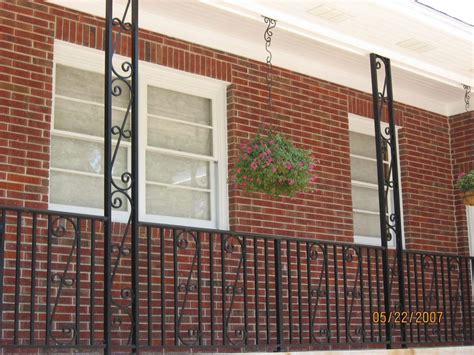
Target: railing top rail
<point x="434" y="253"/>
<point x="257" y="235"/>
<point x="51" y="212"/>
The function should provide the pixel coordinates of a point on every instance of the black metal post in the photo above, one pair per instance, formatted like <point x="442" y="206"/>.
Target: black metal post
<point x="135" y="182"/>
<point x="121" y="81"/>
<point x="108" y="177"/>
<point x="393" y="222"/>
<point x="396" y="195"/>
<point x="374" y="65"/>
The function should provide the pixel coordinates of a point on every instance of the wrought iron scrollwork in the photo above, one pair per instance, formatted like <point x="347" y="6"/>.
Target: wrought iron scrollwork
<point x="267" y="35"/>
<point x="184" y="241"/>
<point x="467" y="96"/>
<point x="318" y="257"/>
<point x="455" y="296"/>
<point x="60" y="280"/>
<point x="352" y="254"/>
<point x="233" y="244"/>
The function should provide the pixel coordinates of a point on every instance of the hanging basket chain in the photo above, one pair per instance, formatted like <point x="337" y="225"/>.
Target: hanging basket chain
<point x="467" y="96"/>
<point x="267" y="35"/>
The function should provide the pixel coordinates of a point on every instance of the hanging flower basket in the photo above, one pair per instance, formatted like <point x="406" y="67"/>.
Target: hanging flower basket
<point x="273" y="165"/>
<point x="465" y="183"/>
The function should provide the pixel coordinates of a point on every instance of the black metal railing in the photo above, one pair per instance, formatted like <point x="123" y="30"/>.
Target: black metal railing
<point x="218" y="290"/>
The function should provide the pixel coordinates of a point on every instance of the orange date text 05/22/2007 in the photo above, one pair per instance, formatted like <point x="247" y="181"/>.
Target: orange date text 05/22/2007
<point x="406" y="317"/>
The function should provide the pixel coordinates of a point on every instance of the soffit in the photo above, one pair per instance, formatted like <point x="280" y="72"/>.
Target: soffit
<point x="435" y="57"/>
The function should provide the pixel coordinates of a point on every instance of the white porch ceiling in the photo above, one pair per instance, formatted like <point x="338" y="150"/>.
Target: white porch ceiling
<point x="432" y="54"/>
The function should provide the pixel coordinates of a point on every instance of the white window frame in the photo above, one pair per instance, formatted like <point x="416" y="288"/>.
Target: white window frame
<point x="156" y="75"/>
<point x="365" y="125"/>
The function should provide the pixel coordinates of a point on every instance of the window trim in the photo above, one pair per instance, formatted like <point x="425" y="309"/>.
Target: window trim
<point x="365" y="125"/>
<point x="93" y="60"/>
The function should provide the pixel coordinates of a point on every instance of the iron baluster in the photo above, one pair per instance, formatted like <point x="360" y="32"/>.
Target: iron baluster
<point x="257" y="295"/>
<point x="278" y="294"/>
<point x="445" y="313"/>
<point x="244" y="260"/>
<point x="267" y="303"/>
<point x="300" y="316"/>
<point x="336" y="292"/>
<point x="290" y="290"/>
<point x="211" y="283"/>
<point x="163" y="285"/>
<point x="3" y="227"/>
<point x="33" y="280"/>
<point x="17" y="276"/>
<point x="48" y="284"/>
<point x="93" y="277"/>
<point x="369" y="275"/>
<point x="149" y="285"/>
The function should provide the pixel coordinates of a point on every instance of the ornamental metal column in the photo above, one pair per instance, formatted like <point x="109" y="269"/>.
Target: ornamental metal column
<point x="121" y="304"/>
<point x="386" y="143"/>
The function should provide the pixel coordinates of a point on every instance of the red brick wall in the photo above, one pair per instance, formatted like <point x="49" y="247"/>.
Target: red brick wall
<point x="462" y="150"/>
<point x="313" y="112"/>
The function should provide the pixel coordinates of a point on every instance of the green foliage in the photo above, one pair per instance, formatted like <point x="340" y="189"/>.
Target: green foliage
<point x="466" y="181"/>
<point x="273" y="165"/>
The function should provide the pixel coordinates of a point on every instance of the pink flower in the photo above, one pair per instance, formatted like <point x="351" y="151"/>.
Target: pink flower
<point x="244" y="184"/>
<point x="272" y="142"/>
<point x="270" y="160"/>
<point x="289" y="166"/>
<point x="255" y="146"/>
<point x="238" y="170"/>
<point x="253" y="165"/>
<point x="243" y="146"/>
<point x="244" y="177"/>
<point x="300" y="163"/>
<point x="269" y="151"/>
<point x="462" y="174"/>
<point x="274" y="169"/>
<point x="249" y="150"/>
<point x="291" y="182"/>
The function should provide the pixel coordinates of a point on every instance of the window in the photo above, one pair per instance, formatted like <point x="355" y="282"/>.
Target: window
<point x="365" y="198"/>
<point x="183" y="155"/>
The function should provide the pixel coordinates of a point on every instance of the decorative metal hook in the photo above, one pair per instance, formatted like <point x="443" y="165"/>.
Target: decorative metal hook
<point x="467" y="96"/>
<point x="267" y="35"/>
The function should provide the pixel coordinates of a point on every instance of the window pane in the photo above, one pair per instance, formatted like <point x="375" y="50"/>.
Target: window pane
<point x="175" y="170"/>
<point x="80" y="190"/>
<point x="362" y="144"/>
<point x="363" y="170"/>
<point x="76" y="190"/>
<point x="86" y="85"/>
<point x="364" y="198"/>
<point x="82" y="155"/>
<point x="367" y="225"/>
<point x="83" y="118"/>
<point x="179" y="106"/>
<point x="178" y="136"/>
<point x="177" y="202"/>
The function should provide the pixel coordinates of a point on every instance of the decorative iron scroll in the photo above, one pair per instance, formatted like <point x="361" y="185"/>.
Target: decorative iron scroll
<point x="59" y="227"/>
<point x="267" y="35"/>
<point x="467" y="96"/>
<point x="455" y="296"/>
<point x="234" y="287"/>
<point x="430" y="294"/>
<point x="188" y="286"/>
<point x="354" y="294"/>
<point x="318" y="256"/>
